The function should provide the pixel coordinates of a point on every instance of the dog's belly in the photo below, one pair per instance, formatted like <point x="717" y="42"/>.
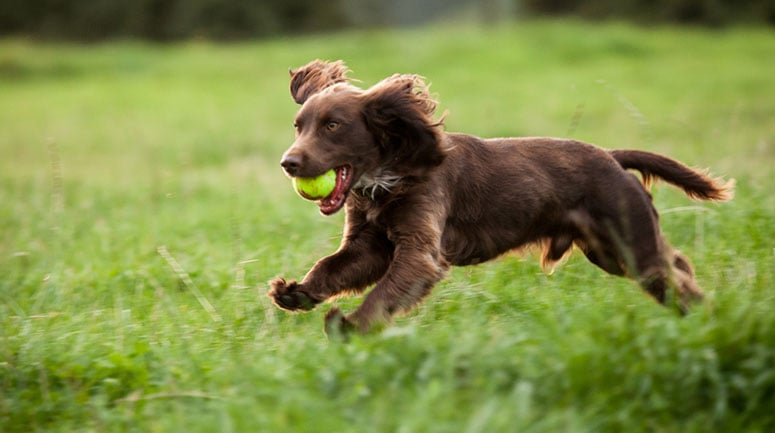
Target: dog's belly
<point x="463" y="247"/>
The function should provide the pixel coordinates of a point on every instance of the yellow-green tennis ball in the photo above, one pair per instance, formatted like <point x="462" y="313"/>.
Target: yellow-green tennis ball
<point x="316" y="188"/>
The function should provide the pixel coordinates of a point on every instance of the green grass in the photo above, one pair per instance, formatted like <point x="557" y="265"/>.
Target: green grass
<point x="139" y="184"/>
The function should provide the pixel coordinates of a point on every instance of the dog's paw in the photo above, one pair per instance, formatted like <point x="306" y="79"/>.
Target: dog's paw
<point x="337" y="327"/>
<point x="289" y="296"/>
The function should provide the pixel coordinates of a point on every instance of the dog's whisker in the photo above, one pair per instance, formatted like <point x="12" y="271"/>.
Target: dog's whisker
<point x="370" y="186"/>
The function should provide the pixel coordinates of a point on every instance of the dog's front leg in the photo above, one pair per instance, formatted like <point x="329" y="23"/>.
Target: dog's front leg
<point x="362" y="259"/>
<point x="412" y="275"/>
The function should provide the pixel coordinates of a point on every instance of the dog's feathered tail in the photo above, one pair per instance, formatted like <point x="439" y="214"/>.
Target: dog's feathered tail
<point x="696" y="184"/>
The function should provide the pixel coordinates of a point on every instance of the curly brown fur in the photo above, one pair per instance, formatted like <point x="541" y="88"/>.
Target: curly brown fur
<point x="314" y="77"/>
<point x="419" y="200"/>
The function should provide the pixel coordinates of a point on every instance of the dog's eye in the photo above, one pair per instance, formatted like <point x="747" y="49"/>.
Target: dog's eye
<point x="332" y="126"/>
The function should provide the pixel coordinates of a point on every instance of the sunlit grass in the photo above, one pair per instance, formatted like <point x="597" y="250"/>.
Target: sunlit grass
<point x="139" y="184"/>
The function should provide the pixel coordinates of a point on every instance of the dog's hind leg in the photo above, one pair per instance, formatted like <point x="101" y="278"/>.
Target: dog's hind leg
<point x="595" y="242"/>
<point x="659" y="268"/>
<point x="631" y="245"/>
<point x="642" y="252"/>
<point x="683" y="279"/>
<point x="676" y="275"/>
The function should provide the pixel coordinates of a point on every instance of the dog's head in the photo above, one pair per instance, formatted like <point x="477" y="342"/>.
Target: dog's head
<point x="387" y="128"/>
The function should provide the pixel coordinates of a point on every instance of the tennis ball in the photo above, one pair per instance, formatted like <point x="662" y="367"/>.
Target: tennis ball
<point x="315" y="188"/>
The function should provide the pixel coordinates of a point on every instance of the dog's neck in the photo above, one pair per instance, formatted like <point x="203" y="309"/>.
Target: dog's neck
<point x="372" y="185"/>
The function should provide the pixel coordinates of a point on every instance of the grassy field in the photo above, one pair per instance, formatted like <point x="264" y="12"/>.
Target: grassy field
<point x="142" y="211"/>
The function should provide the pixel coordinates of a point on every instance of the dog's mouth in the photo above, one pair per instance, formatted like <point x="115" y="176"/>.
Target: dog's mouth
<point x="335" y="201"/>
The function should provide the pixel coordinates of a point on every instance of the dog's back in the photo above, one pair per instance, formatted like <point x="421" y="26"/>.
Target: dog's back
<point x="505" y="193"/>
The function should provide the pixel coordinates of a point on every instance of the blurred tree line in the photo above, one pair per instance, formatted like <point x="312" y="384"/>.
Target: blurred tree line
<point x="700" y="12"/>
<point x="234" y="19"/>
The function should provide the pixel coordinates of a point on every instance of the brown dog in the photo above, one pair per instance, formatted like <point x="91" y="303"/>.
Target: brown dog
<point x="419" y="199"/>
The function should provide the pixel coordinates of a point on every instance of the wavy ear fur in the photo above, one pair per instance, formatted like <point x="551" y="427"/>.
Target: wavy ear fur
<point x="398" y="111"/>
<point x="316" y="76"/>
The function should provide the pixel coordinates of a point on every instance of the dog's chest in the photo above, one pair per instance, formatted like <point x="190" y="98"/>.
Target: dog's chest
<point x="372" y="216"/>
<point x="371" y="186"/>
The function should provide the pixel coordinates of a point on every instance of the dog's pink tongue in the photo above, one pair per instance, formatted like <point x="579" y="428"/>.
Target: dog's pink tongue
<point x="331" y="204"/>
<point x="335" y="200"/>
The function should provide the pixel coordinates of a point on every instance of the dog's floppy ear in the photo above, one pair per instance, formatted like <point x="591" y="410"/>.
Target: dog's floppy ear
<point x="399" y="112"/>
<point x="316" y="76"/>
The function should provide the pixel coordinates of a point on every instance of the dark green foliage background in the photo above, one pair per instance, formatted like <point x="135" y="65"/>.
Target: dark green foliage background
<point x="163" y="20"/>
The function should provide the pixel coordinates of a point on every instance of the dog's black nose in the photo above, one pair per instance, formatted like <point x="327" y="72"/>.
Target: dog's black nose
<point x="291" y="163"/>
